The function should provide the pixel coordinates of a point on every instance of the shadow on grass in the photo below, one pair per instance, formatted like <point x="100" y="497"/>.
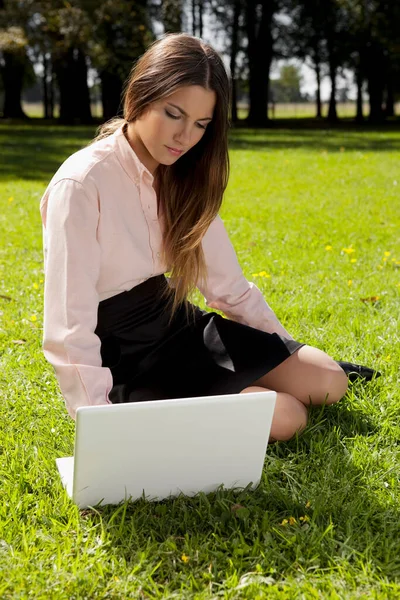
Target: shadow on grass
<point x="314" y="512"/>
<point x="34" y="151"/>
<point x="335" y="140"/>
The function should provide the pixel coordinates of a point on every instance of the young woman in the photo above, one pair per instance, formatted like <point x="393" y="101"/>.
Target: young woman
<point x="143" y="200"/>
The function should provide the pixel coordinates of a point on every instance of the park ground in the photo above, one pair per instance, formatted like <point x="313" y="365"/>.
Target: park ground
<point x="314" y="215"/>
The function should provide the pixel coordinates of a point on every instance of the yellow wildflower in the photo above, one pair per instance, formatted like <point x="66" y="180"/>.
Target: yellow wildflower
<point x="386" y="253"/>
<point x="261" y="274"/>
<point x="33" y="318"/>
<point x="292" y="521"/>
<point x="350" y="282"/>
<point x="349" y="250"/>
<point x="353" y="260"/>
<point x="35" y="285"/>
<point x="328" y="247"/>
<point x="11" y="198"/>
<point x="185" y="558"/>
<point x="305" y="518"/>
<point x="284" y="522"/>
<point x="308" y="504"/>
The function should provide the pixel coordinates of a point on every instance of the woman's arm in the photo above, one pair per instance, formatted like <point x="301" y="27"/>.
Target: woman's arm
<point x="228" y="290"/>
<point x="72" y="263"/>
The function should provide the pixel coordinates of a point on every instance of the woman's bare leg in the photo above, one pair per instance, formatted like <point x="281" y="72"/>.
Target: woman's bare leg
<point x="308" y="375"/>
<point x="290" y="415"/>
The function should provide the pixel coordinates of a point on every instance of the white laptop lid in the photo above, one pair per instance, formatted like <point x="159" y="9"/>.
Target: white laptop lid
<point x="164" y="447"/>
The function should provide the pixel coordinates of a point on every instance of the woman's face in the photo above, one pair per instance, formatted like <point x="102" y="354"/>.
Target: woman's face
<point x="172" y="126"/>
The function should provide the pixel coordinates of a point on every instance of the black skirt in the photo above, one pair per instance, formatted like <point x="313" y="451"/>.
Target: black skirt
<point x="196" y="353"/>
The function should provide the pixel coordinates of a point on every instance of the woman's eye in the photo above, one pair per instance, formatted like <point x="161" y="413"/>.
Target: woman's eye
<point x="171" y="115"/>
<point x="175" y="117"/>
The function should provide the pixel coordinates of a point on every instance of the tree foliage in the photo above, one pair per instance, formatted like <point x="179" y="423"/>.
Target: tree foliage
<point x="64" y="39"/>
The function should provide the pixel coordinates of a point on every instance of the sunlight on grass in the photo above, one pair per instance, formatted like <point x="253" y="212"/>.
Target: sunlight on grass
<point x="314" y="216"/>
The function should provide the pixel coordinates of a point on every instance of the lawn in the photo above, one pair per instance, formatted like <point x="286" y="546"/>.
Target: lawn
<point x="315" y="218"/>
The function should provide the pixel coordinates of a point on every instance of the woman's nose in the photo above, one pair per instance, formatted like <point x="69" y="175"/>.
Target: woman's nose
<point x="183" y="135"/>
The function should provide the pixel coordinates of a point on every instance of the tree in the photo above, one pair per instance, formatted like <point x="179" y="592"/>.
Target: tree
<point x="307" y="38"/>
<point x="235" y="37"/>
<point x="15" y="66"/>
<point x="70" y="63"/>
<point x="260" y="51"/>
<point x="374" y="53"/>
<point x="287" y="87"/>
<point x="229" y="20"/>
<point x="121" y="34"/>
<point x="383" y="23"/>
<point x="172" y="15"/>
<point x="41" y="48"/>
<point x="197" y="8"/>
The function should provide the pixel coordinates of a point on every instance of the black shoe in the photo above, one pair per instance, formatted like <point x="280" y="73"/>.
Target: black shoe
<point x="354" y="371"/>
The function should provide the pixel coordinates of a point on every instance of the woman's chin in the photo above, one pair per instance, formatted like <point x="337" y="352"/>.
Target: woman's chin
<point x="167" y="162"/>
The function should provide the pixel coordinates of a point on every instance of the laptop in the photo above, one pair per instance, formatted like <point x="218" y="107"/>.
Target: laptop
<point x="161" y="448"/>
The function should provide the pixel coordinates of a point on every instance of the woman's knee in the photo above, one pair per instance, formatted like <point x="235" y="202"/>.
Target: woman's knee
<point x="322" y="380"/>
<point x="290" y="417"/>
<point x="334" y="383"/>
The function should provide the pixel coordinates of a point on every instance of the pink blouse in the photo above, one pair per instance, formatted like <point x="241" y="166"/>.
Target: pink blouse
<point x="102" y="236"/>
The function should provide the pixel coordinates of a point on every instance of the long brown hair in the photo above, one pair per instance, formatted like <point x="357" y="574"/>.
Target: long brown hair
<point x="190" y="191"/>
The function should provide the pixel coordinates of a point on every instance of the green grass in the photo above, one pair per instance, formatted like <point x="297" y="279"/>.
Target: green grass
<point x="292" y="194"/>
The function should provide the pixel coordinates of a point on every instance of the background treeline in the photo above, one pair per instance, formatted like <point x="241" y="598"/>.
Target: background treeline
<point x="56" y="43"/>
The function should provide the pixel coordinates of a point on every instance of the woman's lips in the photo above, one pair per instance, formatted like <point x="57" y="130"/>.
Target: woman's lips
<point x="174" y="151"/>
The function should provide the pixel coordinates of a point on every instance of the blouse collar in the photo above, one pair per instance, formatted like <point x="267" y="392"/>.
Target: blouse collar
<point x="129" y="159"/>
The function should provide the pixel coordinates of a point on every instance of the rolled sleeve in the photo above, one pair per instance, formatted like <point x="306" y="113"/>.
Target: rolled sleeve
<point x="227" y="289"/>
<point x="72" y="264"/>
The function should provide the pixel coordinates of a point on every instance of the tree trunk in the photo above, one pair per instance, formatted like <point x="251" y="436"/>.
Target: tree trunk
<point x="359" y="81"/>
<point x="375" y="91"/>
<point x="71" y="72"/>
<point x="332" y="112"/>
<point x="260" y="50"/>
<point x="194" y="19"/>
<point x="201" y="10"/>
<point x="376" y="84"/>
<point x="234" y="50"/>
<point x="45" y="87"/>
<point x="111" y="94"/>
<point x="63" y="71"/>
<point x="82" y="106"/>
<point x="13" y="75"/>
<point x="389" y="101"/>
<point x="317" y="69"/>
<point x="51" y="90"/>
<point x="318" y="92"/>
